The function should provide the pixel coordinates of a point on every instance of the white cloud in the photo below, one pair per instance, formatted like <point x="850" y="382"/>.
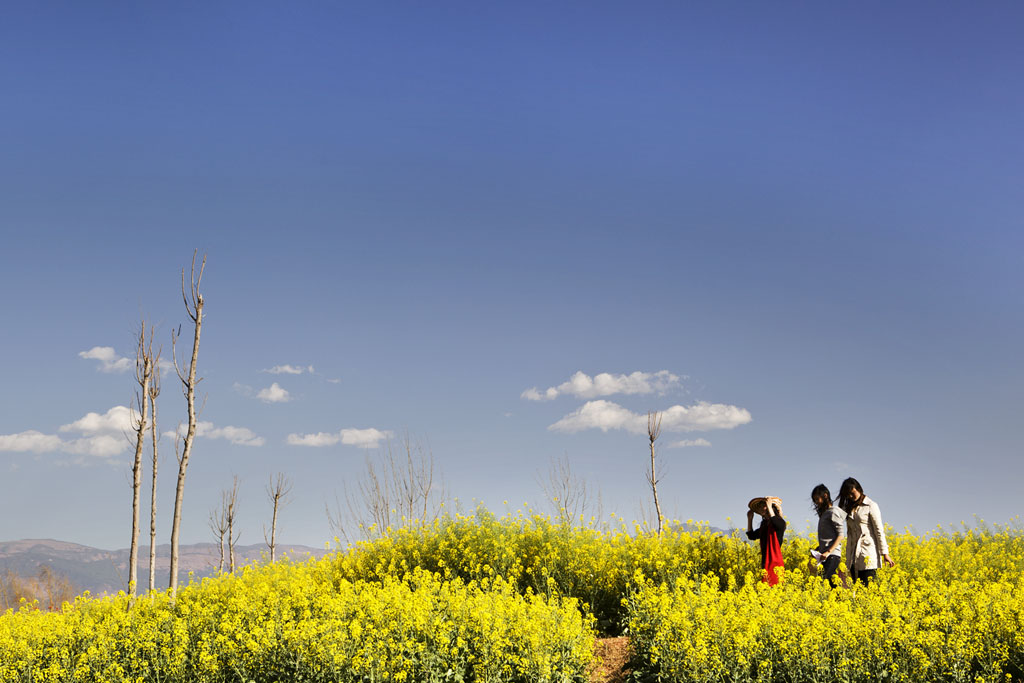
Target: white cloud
<point x="533" y="394"/>
<point x="165" y="365"/>
<point x="274" y="394"/>
<point x="605" y="415"/>
<point x="240" y="436"/>
<point x="117" y="420"/>
<point x="109" y="360"/>
<point x="361" y="438"/>
<point x="30" y="442"/>
<point x="100" y="446"/>
<point x="290" y="369"/>
<point x="582" y="385"/>
<point x="703" y="417"/>
<point x="100" y="436"/>
<point x="689" y="443"/>
<point x="315" y="440"/>
<point x="103" y="435"/>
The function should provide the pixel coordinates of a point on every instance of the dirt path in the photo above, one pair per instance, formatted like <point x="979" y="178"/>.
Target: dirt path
<point x="614" y="654"/>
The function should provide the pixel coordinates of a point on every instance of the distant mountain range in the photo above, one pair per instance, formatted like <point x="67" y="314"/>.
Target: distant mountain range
<point x="106" y="571"/>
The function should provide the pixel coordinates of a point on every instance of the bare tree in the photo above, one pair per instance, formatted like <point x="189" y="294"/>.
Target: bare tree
<point x="194" y="307"/>
<point x="398" y="490"/>
<point x="230" y="506"/>
<point x="56" y="586"/>
<point x="567" y="493"/>
<point x="154" y="391"/>
<point x="653" y="432"/>
<point x="278" y="491"/>
<point x="50" y="588"/>
<point x="218" y="523"/>
<point x="139" y="416"/>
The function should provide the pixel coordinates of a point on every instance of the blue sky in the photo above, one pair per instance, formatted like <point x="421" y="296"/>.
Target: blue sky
<point x="801" y="225"/>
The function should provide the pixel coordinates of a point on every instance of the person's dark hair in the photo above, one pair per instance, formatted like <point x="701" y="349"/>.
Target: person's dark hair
<point x="821" y="490"/>
<point x="846" y="500"/>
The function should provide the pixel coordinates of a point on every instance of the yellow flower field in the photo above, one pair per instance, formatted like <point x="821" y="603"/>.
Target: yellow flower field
<point x="303" y="623"/>
<point x="521" y="598"/>
<point x="900" y="629"/>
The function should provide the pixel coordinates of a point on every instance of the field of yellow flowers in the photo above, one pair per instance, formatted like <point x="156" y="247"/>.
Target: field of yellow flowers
<point x="522" y="598"/>
<point x="304" y="623"/>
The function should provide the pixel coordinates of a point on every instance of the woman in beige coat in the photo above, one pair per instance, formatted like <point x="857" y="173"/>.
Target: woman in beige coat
<point x="866" y="546"/>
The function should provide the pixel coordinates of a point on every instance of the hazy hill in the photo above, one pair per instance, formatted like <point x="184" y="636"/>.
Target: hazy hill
<point x="106" y="571"/>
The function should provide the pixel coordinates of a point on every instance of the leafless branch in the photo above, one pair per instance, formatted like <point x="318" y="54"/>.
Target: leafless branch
<point x="194" y="303"/>
<point x="218" y="523"/>
<point x="279" y="492"/>
<point x="143" y="376"/>
<point x="568" y="494"/>
<point x="230" y="505"/>
<point x="154" y="392"/>
<point x="397" y="488"/>
<point x="653" y="432"/>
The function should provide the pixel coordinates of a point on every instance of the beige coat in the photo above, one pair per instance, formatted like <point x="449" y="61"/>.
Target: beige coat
<point x="865" y="536"/>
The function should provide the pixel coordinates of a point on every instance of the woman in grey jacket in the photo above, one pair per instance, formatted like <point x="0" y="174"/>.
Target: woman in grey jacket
<point x="866" y="546"/>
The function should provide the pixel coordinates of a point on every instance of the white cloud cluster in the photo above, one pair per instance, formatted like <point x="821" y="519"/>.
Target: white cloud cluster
<point x="364" y="438"/>
<point x="582" y="385"/>
<point x="30" y="442"/>
<point x="317" y="440"/>
<point x="165" y="365"/>
<point x="361" y="438"/>
<point x="109" y="360"/>
<point x="290" y="369"/>
<point x="274" y="394"/>
<point x="97" y="435"/>
<point x="605" y="415"/>
<point x="100" y="445"/>
<point x="240" y="436"/>
<point x="117" y="420"/>
<point x="689" y="443"/>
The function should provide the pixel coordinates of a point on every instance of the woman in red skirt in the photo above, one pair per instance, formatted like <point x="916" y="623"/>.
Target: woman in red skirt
<point x="770" y="533"/>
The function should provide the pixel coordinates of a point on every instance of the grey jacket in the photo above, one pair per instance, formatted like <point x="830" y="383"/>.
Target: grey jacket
<point x="831" y="523"/>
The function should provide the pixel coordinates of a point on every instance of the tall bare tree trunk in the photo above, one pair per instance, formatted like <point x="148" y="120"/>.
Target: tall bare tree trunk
<point x="219" y="526"/>
<point x="273" y="533"/>
<point x="154" y="391"/>
<point x="194" y="307"/>
<point x="277" y="490"/>
<point x="143" y="373"/>
<point x="231" y="509"/>
<point x="653" y="432"/>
